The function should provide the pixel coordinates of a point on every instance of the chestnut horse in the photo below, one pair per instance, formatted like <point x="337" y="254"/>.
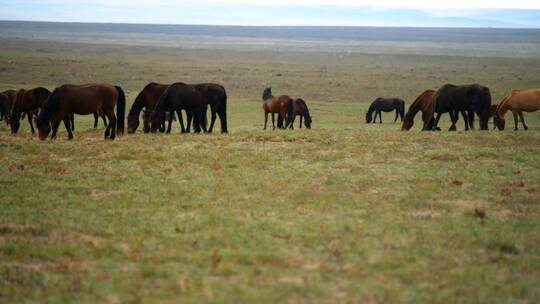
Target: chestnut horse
<point x="82" y="100"/>
<point x="425" y="103"/>
<point x="275" y="105"/>
<point x="29" y="102"/>
<point x="517" y="102"/>
<point x="7" y="98"/>
<point x="298" y="108"/>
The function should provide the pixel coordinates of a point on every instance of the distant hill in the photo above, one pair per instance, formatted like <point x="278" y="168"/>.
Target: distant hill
<point x="399" y="34"/>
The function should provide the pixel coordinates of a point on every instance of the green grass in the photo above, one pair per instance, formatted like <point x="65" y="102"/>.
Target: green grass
<point x="346" y="212"/>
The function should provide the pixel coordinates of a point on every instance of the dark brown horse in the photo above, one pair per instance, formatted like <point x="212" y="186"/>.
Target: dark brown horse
<point x="427" y="104"/>
<point x="385" y="105"/>
<point x="146" y="100"/>
<point x="82" y="100"/>
<point x="7" y="98"/>
<point x="29" y="102"/>
<point x="194" y="99"/>
<point x="275" y="105"/>
<point x="298" y="108"/>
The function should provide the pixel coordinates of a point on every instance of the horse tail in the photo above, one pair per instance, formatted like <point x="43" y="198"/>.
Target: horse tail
<point x="222" y="112"/>
<point x="402" y="109"/>
<point x="120" y="110"/>
<point x="290" y="112"/>
<point x="51" y="106"/>
<point x="307" y="115"/>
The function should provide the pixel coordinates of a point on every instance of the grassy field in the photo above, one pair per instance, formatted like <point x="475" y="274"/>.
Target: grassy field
<point x="345" y="212"/>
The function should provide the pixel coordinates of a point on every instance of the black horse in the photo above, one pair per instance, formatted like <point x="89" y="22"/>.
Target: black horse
<point x="194" y="99"/>
<point x="467" y="99"/>
<point x="297" y="108"/>
<point x="385" y="105"/>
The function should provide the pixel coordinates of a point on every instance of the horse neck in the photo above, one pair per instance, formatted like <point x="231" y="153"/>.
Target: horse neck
<point x="138" y="105"/>
<point x="503" y="107"/>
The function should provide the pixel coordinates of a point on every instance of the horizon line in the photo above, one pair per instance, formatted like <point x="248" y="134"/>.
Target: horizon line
<point x="276" y="26"/>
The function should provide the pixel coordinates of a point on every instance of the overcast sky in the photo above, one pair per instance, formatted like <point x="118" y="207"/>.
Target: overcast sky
<point x="495" y="13"/>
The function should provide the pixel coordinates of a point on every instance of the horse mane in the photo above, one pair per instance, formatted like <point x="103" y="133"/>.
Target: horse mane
<point x="51" y="106"/>
<point x="138" y="105"/>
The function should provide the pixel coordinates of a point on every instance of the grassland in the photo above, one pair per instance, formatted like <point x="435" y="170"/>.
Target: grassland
<point x="346" y="212"/>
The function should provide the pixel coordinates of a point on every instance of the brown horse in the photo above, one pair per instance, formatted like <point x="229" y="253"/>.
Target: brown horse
<point x="275" y="105"/>
<point x="7" y="98"/>
<point x="298" y="108"/>
<point x="427" y="104"/>
<point x="517" y="102"/>
<point x="82" y="100"/>
<point x="147" y="100"/>
<point x="29" y="102"/>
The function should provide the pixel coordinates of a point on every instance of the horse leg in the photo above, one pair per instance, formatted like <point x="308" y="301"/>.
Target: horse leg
<point x="213" y="112"/>
<point x="453" y="119"/>
<point x="292" y="122"/>
<point x="181" y="121"/>
<point x="104" y="119"/>
<point x="397" y="116"/>
<point x="380" y="117"/>
<point x="516" y="120"/>
<point x="190" y="119"/>
<point x="202" y="120"/>
<point x="30" y="122"/>
<point x="301" y="118"/>
<point x="265" y="120"/>
<point x="96" y="120"/>
<point x="435" y="126"/>
<point x="55" y="126"/>
<point x="171" y="117"/>
<point x="112" y="124"/>
<point x="520" y="113"/>
<point x="466" y="119"/>
<point x="67" y="124"/>
<point x="274" y="121"/>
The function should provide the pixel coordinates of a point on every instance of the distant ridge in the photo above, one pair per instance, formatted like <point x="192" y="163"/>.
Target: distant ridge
<point x="458" y="35"/>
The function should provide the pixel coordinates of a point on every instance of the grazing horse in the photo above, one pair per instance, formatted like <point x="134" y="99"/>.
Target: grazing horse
<point x="275" y="105"/>
<point x="466" y="98"/>
<point x="298" y="108"/>
<point x="29" y="102"/>
<point x="385" y="105"/>
<point x="147" y="100"/>
<point x="7" y="98"/>
<point x="82" y="100"/>
<point x="426" y="103"/>
<point x="517" y="102"/>
<point x="179" y="97"/>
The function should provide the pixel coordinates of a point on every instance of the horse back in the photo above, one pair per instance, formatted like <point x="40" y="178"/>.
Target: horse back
<point x="87" y="99"/>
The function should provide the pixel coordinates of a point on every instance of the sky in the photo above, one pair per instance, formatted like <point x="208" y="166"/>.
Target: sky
<point x="455" y="13"/>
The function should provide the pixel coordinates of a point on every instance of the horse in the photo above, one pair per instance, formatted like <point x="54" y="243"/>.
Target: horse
<point x="517" y="102"/>
<point x="29" y="102"/>
<point x="7" y="98"/>
<point x="385" y="105"/>
<point x="82" y="100"/>
<point x="147" y="100"/>
<point x="275" y="105"/>
<point x="465" y="98"/>
<point x="193" y="98"/>
<point x="298" y="108"/>
<point x="425" y="103"/>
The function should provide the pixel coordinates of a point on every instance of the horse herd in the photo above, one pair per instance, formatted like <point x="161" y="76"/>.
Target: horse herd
<point x="160" y="103"/>
<point x="467" y="100"/>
